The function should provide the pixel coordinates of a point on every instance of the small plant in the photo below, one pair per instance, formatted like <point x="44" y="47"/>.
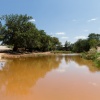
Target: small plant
<point x="97" y="62"/>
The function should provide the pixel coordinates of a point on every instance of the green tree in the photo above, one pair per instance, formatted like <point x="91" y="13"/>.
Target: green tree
<point x="94" y="36"/>
<point x="94" y="39"/>
<point x="18" y="30"/>
<point x="67" y="46"/>
<point x="81" y="45"/>
<point x="55" y="43"/>
<point x="47" y="42"/>
<point x="44" y="41"/>
<point x="0" y="31"/>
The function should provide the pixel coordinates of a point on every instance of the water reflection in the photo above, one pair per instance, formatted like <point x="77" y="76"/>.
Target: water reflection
<point x="82" y="62"/>
<point x="19" y="75"/>
<point x="2" y="64"/>
<point x="59" y="77"/>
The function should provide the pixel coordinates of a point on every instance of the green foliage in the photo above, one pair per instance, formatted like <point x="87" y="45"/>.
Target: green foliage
<point x="19" y="32"/>
<point x="94" y="39"/>
<point x="97" y="55"/>
<point x="1" y="30"/>
<point x="68" y="46"/>
<point x="97" y="61"/>
<point x="81" y="46"/>
<point x="94" y="36"/>
<point x="90" y="55"/>
<point x="16" y="26"/>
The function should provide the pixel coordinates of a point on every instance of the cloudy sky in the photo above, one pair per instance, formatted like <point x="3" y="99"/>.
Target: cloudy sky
<point x="66" y="19"/>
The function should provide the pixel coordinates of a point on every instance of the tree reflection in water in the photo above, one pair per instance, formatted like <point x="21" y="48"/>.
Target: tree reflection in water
<point x="19" y="75"/>
<point x="81" y="62"/>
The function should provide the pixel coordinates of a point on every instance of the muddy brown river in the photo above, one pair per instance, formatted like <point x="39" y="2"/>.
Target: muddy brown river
<point x="62" y="77"/>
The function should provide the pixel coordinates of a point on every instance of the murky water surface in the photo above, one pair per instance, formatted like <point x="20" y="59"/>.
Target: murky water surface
<point x="61" y="77"/>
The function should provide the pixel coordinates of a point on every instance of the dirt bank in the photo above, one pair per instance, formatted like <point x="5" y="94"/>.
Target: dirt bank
<point x="20" y="55"/>
<point x="6" y="52"/>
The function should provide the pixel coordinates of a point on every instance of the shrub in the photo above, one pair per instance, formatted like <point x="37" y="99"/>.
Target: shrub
<point x="97" y="62"/>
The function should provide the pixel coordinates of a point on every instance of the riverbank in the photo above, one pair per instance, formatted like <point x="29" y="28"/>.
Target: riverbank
<point x="12" y="55"/>
<point x="93" y="55"/>
<point x="22" y="55"/>
<point x="66" y="52"/>
<point x="7" y="53"/>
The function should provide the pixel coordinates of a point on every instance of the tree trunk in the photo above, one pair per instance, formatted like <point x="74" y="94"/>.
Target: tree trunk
<point x="15" y="48"/>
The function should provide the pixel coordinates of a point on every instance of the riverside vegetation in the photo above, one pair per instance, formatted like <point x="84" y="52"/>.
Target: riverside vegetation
<point x="92" y="54"/>
<point x="20" y="33"/>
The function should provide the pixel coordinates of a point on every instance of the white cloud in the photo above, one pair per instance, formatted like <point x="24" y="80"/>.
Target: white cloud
<point x="93" y="19"/>
<point x="80" y="37"/>
<point x="32" y="20"/>
<point x="60" y="33"/>
<point x="64" y="37"/>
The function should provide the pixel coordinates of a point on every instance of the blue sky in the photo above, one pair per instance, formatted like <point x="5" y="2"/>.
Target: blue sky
<point x="66" y="19"/>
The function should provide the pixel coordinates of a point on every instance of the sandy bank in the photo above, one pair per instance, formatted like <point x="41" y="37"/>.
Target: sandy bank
<point x="4" y="53"/>
<point x="3" y="48"/>
<point x="18" y="55"/>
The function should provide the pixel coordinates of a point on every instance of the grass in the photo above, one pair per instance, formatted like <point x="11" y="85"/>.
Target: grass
<point x="56" y="51"/>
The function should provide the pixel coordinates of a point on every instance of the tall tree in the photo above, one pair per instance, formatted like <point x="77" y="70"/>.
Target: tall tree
<point x="81" y="45"/>
<point x="19" y="32"/>
<point x="94" y="39"/>
<point x="17" y="27"/>
<point x="67" y="46"/>
<point x="0" y="31"/>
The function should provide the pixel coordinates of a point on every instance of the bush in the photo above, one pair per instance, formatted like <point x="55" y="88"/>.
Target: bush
<point x="90" y="54"/>
<point x="97" y="62"/>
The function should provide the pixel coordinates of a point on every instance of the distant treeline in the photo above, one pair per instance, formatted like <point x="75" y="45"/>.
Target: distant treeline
<point x="83" y="45"/>
<point x="18" y="31"/>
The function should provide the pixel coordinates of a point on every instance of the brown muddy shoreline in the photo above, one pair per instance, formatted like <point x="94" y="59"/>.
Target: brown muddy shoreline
<point x="22" y="55"/>
<point x="9" y="54"/>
